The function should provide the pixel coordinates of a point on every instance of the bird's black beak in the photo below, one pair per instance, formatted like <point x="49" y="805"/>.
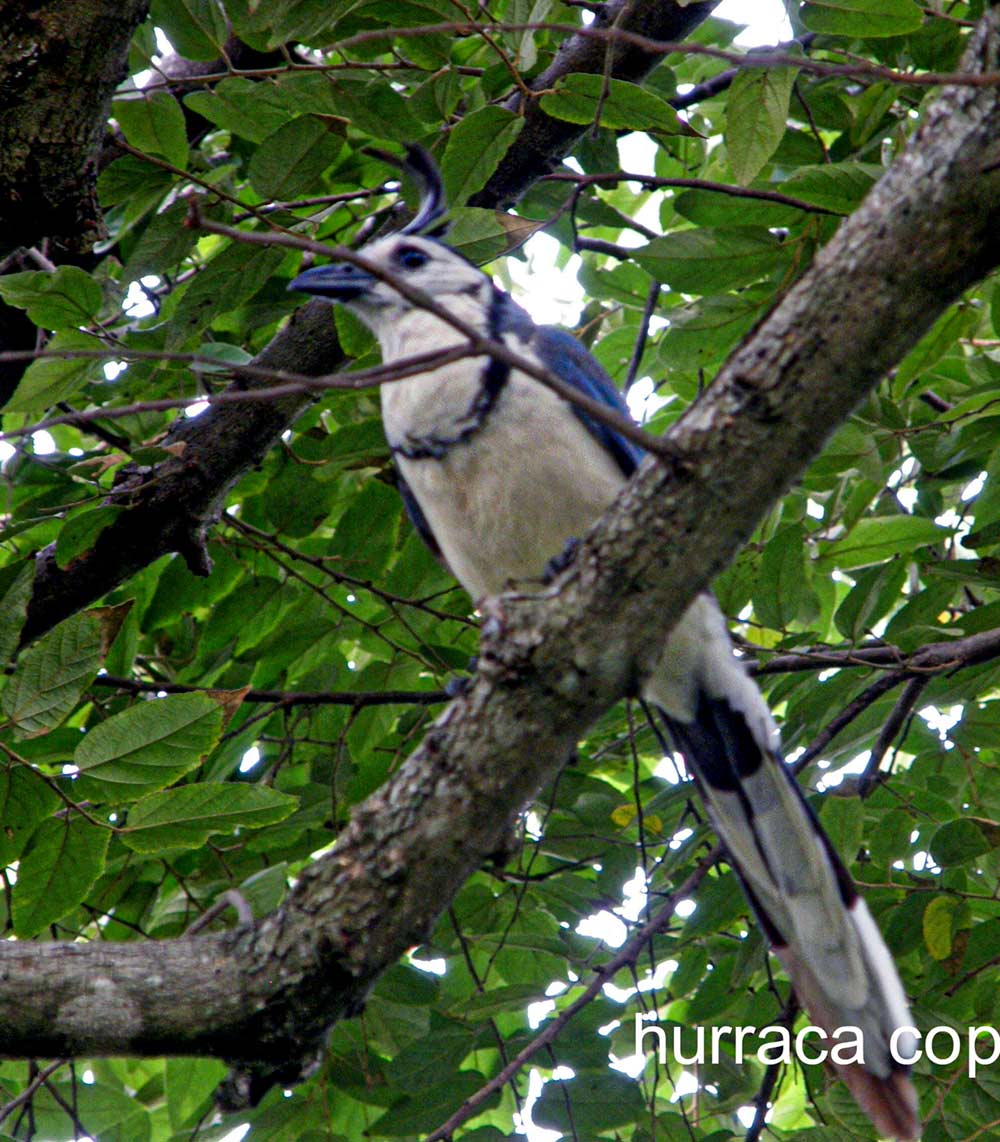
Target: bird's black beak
<point x="339" y="281"/>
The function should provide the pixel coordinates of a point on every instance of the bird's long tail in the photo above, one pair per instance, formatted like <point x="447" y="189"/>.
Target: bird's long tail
<point x="807" y="904"/>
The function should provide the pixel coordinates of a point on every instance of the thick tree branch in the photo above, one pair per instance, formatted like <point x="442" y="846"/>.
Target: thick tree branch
<point x="551" y="662"/>
<point x="61" y="62"/>
<point x="59" y="65"/>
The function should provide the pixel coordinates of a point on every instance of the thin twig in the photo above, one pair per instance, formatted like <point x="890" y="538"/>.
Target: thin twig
<point x="628" y="954"/>
<point x="623" y="36"/>
<point x="297" y="384"/>
<point x="890" y="728"/>
<point x="653" y="182"/>
<point x="762" y="1099"/>
<point x="229" y="899"/>
<point x="28" y="1093"/>
<point x="640" y="341"/>
<point x="285" y="698"/>
<point x="853" y="710"/>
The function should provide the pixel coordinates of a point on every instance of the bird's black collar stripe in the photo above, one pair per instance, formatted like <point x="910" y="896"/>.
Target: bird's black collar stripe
<point x="494" y="378"/>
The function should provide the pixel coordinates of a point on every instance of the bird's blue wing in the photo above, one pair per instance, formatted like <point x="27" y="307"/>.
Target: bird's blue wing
<point x="570" y="361"/>
<point x="417" y="517"/>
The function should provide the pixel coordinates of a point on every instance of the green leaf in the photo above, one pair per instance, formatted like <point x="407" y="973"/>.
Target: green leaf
<point x="232" y="277"/>
<point x="134" y="184"/>
<point x="778" y="590"/>
<point x="622" y="106"/>
<point x="891" y="840"/>
<point x="875" y="538"/>
<point x="875" y="592"/>
<point x="706" y="261"/>
<point x="408" y="985"/>
<point x="416" y="1113"/>
<point x="756" y="118"/>
<point x="718" y="904"/>
<point x="912" y="624"/>
<point x="366" y="533"/>
<point x="154" y="123"/>
<point x="423" y="1062"/>
<point x="80" y="532"/>
<point x="58" y="299"/>
<point x="954" y="325"/>
<point x="844" y="821"/>
<point x="512" y="997"/>
<point x="244" y="107"/>
<point x="111" y="1113"/>
<point x="25" y="800"/>
<point x="706" y="207"/>
<point x="190" y="1084"/>
<point x="432" y="52"/>
<point x="196" y="28"/>
<point x="482" y="235"/>
<point x="588" y="1104"/>
<point x="298" y="503"/>
<point x="50" y="380"/>
<point x="150" y="745"/>
<point x="355" y="338"/>
<point x="839" y="187"/>
<point x="266" y="889"/>
<point x="52" y="675"/>
<point x="962" y="840"/>
<point x="185" y="818"/>
<point x="59" y="867"/>
<point x="14" y="607"/>
<point x="939" y="925"/>
<point x="164" y="242"/>
<point x="865" y="19"/>
<point x="289" y="162"/>
<point x="986" y="508"/>
<point x="475" y="147"/>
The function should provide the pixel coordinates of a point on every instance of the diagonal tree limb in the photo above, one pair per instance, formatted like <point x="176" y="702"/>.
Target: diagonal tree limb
<point x="551" y="663"/>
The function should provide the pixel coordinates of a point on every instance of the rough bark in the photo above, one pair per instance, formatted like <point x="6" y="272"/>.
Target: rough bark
<point x="552" y="663"/>
<point x="172" y="504"/>
<point x="60" y="63"/>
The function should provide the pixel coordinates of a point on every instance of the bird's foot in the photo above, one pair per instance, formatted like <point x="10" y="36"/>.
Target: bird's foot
<point x="456" y="687"/>
<point x="558" y="563"/>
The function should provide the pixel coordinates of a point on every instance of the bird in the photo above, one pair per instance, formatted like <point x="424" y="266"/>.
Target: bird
<point x="498" y="474"/>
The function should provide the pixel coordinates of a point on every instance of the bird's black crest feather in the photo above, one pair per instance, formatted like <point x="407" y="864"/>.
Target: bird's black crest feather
<point x="419" y="164"/>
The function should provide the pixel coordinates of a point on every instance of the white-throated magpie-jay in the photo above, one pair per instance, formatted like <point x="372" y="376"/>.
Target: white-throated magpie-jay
<point x="498" y="473"/>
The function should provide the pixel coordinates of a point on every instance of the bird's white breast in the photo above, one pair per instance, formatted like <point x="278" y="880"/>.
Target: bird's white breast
<point x="504" y="502"/>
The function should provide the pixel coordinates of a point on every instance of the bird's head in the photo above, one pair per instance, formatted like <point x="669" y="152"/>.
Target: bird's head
<point x="414" y="255"/>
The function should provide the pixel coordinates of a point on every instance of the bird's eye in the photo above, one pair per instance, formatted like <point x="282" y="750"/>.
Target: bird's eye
<point x="410" y="258"/>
